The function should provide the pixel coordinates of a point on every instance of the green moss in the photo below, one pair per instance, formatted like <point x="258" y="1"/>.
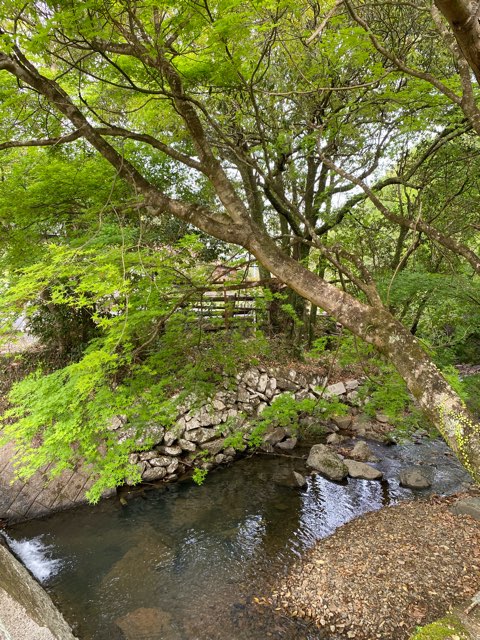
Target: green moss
<point x="448" y="628"/>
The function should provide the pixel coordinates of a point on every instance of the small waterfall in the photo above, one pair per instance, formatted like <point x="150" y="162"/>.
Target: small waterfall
<point x="36" y="555"/>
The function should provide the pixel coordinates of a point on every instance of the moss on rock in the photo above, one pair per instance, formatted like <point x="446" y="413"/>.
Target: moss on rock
<point x="448" y="628"/>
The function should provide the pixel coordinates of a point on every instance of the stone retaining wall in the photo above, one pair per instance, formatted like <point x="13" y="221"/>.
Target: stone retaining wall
<point x="198" y="438"/>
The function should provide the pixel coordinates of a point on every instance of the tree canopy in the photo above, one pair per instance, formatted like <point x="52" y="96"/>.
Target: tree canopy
<point x="334" y="142"/>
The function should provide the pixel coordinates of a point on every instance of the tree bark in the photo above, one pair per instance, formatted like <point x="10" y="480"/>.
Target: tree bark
<point x="376" y="326"/>
<point x="463" y="17"/>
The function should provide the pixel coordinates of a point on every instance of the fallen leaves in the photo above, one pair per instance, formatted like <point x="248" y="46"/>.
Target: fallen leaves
<point x="382" y="574"/>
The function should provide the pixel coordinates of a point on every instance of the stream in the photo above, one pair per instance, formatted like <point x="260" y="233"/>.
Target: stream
<point x="184" y="562"/>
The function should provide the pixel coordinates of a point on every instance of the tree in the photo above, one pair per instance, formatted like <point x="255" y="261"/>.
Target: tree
<point x="280" y="108"/>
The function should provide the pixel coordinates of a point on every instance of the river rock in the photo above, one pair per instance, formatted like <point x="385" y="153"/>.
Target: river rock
<point x="286" y="385"/>
<point x="270" y="388"/>
<point x="361" y="451"/>
<point x="274" y="436"/>
<point x="351" y="385"/>
<point x="262" y="383"/>
<point x="173" y="466"/>
<point x="174" y="450"/>
<point x="206" y="418"/>
<point x="151" y="432"/>
<point x="266" y="447"/>
<point x="116" y="422"/>
<point x="353" y="398"/>
<point x="147" y="623"/>
<point x="251" y="378"/>
<point x="160" y="461"/>
<point x="192" y="424"/>
<point x="416" y="477"/>
<point x="187" y="445"/>
<point x="261" y="408"/>
<point x="335" y="438"/>
<point x="201" y="435"/>
<point x="328" y="463"/>
<point x="288" y="444"/>
<point x="218" y="404"/>
<point x="300" y="480"/>
<point x="154" y="473"/>
<point x="337" y="389"/>
<point x="362" y="470"/>
<point x="140" y="466"/>
<point x="147" y="455"/>
<point x="243" y="395"/>
<point x="169" y="438"/>
<point x="467" y="506"/>
<point x="342" y="422"/>
<point x="289" y="478"/>
<point x="214" y="447"/>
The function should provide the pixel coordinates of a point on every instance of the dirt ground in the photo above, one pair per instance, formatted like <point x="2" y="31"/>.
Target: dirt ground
<point x="383" y="574"/>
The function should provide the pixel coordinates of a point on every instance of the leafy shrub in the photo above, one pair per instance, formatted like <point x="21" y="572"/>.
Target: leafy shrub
<point x="285" y="411"/>
<point x="148" y="353"/>
<point x="199" y="476"/>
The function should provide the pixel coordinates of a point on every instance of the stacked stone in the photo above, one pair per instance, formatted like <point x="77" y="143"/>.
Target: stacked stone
<point x="198" y="437"/>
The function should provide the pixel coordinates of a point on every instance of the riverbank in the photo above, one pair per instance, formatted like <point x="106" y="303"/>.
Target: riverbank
<point x="385" y="573"/>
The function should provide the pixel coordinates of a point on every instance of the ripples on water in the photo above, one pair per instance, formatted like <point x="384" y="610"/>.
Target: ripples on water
<point x="184" y="562"/>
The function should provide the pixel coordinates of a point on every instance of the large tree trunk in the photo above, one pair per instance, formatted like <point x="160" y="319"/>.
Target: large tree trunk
<point x="376" y="326"/>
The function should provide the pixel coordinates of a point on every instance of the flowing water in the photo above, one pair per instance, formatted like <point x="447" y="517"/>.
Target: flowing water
<point x="186" y="562"/>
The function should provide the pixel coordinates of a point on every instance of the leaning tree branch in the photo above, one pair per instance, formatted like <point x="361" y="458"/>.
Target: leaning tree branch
<point x="214" y="223"/>
<point x="115" y="131"/>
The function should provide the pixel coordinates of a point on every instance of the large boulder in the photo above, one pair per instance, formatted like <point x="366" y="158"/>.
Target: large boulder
<point x="328" y="463"/>
<point x="416" y="477"/>
<point x="362" y="470"/>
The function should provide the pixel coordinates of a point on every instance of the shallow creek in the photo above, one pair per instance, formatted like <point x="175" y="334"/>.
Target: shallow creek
<point x="186" y="562"/>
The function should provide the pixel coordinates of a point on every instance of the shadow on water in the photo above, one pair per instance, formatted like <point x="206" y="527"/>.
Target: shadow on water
<point x="185" y="562"/>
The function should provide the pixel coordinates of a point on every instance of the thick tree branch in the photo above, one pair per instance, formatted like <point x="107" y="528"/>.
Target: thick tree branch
<point x="217" y="224"/>
<point x="42" y="142"/>
<point x="463" y="18"/>
<point x="153" y="142"/>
